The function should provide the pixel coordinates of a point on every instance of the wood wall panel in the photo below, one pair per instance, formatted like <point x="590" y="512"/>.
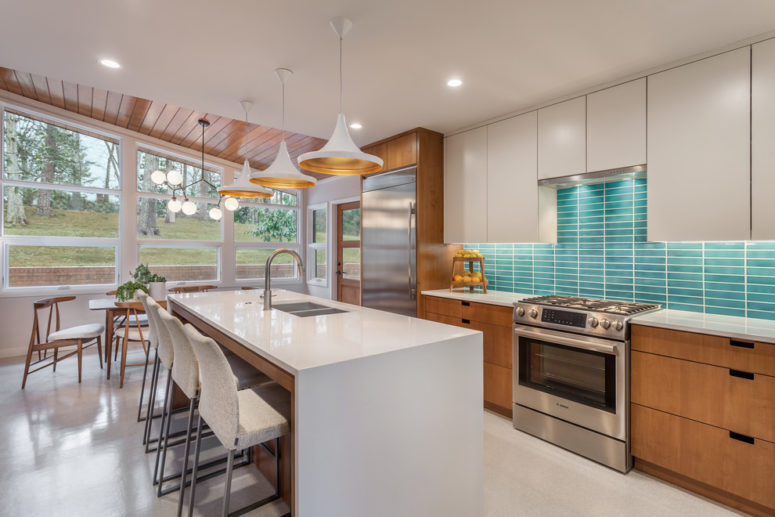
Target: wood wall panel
<point x="230" y="139"/>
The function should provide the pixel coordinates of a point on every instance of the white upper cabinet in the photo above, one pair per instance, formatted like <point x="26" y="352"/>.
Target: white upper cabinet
<point x="512" y="185"/>
<point x="562" y="141"/>
<point x="465" y="187"/>
<point x="763" y="141"/>
<point x="616" y="126"/>
<point x="699" y="150"/>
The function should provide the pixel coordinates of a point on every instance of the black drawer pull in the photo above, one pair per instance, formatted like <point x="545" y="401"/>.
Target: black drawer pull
<point x="466" y="322"/>
<point x="465" y="304"/>
<point x="741" y="437"/>
<point x="741" y="374"/>
<point x="741" y="344"/>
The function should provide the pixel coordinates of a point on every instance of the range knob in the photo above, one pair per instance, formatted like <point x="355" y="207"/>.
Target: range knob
<point x="520" y="311"/>
<point x="593" y="322"/>
<point x="619" y="325"/>
<point x="533" y="313"/>
<point x="605" y="323"/>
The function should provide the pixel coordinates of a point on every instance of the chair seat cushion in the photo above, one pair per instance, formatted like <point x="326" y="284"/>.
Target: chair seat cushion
<point x="264" y="413"/>
<point x="134" y="333"/>
<point x="88" y="331"/>
<point x="142" y="319"/>
<point x="246" y="375"/>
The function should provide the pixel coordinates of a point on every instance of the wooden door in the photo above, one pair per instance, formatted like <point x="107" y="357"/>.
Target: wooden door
<point x="348" y="253"/>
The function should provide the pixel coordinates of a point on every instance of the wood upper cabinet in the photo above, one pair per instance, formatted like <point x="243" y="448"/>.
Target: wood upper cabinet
<point x="465" y="187"/>
<point x="616" y="126"/>
<point x="401" y="151"/>
<point x="562" y="146"/>
<point x="378" y="150"/>
<point x="512" y="182"/>
<point x="762" y="138"/>
<point x="699" y="150"/>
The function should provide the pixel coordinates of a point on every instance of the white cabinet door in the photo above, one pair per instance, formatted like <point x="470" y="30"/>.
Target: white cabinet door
<point x="616" y="126"/>
<point x="699" y="150"/>
<point x="512" y="184"/>
<point x="562" y="147"/>
<point x="763" y="141"/>
<point x="465" y="187"/>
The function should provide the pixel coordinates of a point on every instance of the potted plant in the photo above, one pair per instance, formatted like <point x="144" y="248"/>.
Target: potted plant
<point x="157" y="285"/>
<point x="126" y="291"/>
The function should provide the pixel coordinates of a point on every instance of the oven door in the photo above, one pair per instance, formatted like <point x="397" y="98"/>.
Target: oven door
<point x="580" y="379"/>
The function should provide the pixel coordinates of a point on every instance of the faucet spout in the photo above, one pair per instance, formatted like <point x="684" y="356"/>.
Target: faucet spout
<point x="268" y="273"/>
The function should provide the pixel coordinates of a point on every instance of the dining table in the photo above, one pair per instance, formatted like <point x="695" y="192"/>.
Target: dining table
<point x="113" y="308"/>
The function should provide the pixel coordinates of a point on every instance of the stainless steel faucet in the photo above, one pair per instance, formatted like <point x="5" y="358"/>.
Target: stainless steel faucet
<point x="268" y="274"/>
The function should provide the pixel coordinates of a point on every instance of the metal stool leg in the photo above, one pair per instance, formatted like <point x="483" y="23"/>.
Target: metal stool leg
<point x="166" y="438"/>
<point x="161" y="427"/>
<point x="191" y="407"/>
<point x="227" y="494"/>
<point x="197" y="447"/>
<point x="142" y="387"/>
<point x="151" y="402"/>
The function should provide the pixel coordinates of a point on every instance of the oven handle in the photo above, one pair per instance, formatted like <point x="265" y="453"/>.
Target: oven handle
<point x="604" y="346"/>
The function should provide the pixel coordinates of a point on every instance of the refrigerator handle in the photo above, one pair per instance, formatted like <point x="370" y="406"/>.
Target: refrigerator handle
<point x="412" y="289"/>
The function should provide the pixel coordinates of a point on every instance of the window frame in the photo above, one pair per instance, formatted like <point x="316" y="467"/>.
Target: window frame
<point x="313" y="247"/>
<point x="8" y="241"/>
<point x="295" y="246"/>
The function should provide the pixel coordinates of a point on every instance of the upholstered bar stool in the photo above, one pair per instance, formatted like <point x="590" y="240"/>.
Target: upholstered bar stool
<point x="150" y="317"/>
<point x="185" y="373"/>
<point x="240" y="419"/>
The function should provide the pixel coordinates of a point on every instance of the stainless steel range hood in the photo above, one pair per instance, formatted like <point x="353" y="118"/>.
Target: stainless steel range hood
<point x="589" y="178"/>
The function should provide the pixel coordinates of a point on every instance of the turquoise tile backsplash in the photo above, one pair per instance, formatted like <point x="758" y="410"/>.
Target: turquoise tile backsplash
<point x="602" y="252"/>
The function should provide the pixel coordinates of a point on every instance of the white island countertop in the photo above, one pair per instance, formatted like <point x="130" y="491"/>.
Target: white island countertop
<point x="298" y="343"/>
<point x="737" y="327"/>
<point x="504" y="298"/>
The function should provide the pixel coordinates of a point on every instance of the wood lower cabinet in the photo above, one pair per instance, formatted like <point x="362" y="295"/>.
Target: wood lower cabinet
<point x="494" y="321"/>
<point x="703" y="415"/>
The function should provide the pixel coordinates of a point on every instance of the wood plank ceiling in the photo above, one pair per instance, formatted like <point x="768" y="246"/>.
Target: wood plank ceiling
<point x="226" y="138"/>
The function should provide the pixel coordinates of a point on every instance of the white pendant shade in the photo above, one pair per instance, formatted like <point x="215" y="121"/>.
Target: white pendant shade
<point x="283" y="173"/>
<point x="242" y="186"/>
<point x="340" y="155"/>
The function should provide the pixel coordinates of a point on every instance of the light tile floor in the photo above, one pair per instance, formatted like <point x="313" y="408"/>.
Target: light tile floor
<point x="70" y="450"/>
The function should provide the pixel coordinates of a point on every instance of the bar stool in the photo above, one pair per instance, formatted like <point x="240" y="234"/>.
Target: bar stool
<point x="240" y="419"/>
<point x="185" y="373"/>
<point x="150" y="317"/>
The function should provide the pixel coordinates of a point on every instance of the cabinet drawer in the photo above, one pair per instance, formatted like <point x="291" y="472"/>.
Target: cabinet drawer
<point x="443" y="306"/>
<point x="705" y="453"/>
<point x="441" y="318"/>
<point x="731" y="399"/>
<point x="486" y="313"/>
<point x="748" y="356"/>
<point x="497" y="386"/>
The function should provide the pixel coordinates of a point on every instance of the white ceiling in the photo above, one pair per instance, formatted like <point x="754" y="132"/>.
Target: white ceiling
<point x="207" y="55"/>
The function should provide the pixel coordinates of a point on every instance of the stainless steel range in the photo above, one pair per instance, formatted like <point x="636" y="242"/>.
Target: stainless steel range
<point x="571" y="374"/>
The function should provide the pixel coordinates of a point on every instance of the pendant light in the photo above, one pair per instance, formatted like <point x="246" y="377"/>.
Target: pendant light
<point x="340" y="155"/>
<point x="242" y="187"/>
<point x="283" y="173"/>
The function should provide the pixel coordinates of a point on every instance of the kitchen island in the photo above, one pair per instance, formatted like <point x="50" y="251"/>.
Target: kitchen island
<point x="386" y="409"/>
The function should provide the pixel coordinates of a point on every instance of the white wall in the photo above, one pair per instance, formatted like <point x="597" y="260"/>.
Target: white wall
<point x="331" y="191"/>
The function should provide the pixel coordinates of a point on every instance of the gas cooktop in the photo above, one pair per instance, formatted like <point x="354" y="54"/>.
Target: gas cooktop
<point x="592" y="304"/>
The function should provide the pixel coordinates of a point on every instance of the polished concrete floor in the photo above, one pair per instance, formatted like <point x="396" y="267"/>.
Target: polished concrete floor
<point x="74" y="450"/>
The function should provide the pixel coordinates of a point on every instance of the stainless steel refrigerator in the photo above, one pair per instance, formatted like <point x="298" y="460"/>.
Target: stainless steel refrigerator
<point x="388" y="241"/>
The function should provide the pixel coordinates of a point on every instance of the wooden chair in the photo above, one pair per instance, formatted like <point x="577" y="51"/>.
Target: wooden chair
<point x="132" y="330"/>
<point x="72" y="336"/>
<point x="191" y="289"/>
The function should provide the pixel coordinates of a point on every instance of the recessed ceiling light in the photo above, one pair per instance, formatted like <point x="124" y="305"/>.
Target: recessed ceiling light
<point x="454" y="83"/>
<point x="356" y="125"/>
<point x="109" y="63"/>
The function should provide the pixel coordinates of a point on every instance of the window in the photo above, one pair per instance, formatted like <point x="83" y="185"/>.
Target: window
<point x="262" y="226"/>
<point x="317" y="245"/>
<point x="179" y="247"/>
<point x="61" y="192"/>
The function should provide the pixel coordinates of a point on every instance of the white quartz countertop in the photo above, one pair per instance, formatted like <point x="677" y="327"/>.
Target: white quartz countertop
<point x="295" y="343"/>
<point x="750" y="329"/>
<point x="492" y="297"/>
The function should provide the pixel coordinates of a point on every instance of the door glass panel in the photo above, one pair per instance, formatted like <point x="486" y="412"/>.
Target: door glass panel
<point x="580" y="375"/>
<point x="351" y="224"/>
<point x="351" y="263"/>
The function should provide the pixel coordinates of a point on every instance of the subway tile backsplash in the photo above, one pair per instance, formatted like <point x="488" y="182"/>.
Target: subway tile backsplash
<point x="602" y="252"/>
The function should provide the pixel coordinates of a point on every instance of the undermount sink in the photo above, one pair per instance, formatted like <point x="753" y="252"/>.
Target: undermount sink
<point x="306" y="309"/>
